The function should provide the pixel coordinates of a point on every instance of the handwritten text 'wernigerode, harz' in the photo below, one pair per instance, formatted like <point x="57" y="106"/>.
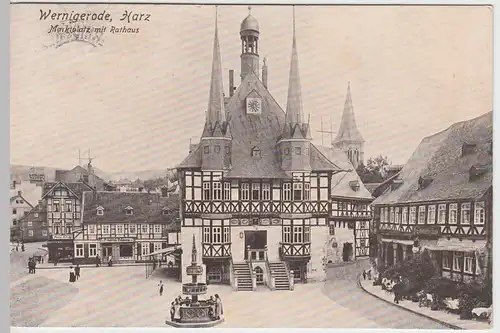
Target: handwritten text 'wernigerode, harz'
<point x="100" y="17"/>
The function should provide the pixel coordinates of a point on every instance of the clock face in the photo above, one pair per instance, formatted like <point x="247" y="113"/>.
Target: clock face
<point x="253" y="105"/>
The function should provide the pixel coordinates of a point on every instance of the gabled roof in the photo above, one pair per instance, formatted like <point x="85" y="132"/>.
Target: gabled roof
<point x="74" y="176"/>
<point x="147" y="207"/>
<point x="341" y="182"/>
<point x="42" y="214"/>
<point x="348" y="130"/>
<point x="76" y="189"/>
<point x="17" y="196"/>
<point x="439" y="157"/>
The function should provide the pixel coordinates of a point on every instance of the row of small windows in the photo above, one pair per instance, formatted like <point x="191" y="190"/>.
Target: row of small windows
<point x="128" y="211"/>
<point x="31" y="234"/>
<point x="296" y="151"/>
<point x="457" y="260"/>
<point x="129" y="228"/>
<point x="216" y="235"/>
<point x="64" y="206"/>
<point x="296" y="234"/>
<point x="206" y="149"/>
<point x="214" y="191"/>
<point x="400" y="214"/>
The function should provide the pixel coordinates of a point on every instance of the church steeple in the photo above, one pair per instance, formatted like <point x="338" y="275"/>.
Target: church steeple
<point x="216" y="111"/>
<point x="348" y="138"/>
<point x="295" y="141"/>
<point x="294" y="113"/>
<point x="216" y="140"/>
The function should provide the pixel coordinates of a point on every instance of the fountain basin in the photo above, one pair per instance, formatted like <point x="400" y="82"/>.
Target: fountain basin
<point x="195" y="317"/>
<point x="194" y="288"/>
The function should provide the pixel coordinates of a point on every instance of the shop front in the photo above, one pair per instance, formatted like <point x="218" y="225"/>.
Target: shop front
<point x="119" y="249"/>
<point x="60" y="250"/>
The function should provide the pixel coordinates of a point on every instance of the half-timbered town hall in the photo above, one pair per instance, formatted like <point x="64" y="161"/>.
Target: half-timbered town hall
<point x="255" y="190"/>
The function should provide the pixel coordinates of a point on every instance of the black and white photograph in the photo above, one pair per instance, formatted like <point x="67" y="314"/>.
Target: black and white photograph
<point x="251" y="166"/>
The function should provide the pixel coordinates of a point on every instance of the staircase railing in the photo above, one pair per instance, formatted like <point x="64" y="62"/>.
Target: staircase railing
<point x="288" y="273"/>
<point x="231" y="274"/>
<point x="269" y="276"/>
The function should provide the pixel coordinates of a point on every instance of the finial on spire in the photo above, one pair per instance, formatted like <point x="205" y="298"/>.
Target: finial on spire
<point x="216" y="15"/>
<point x="309" y="119"/>
<point x="265" y="61"/>
<point x="249" y="9"/>
<point x="293" y="7"/>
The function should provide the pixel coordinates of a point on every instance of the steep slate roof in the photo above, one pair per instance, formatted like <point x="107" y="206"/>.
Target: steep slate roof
<point x="440" y="157"/>
<point x="42" y="214"/>
<point x="348" y="130"/>
<point x="147" y="207"/>
<point x="371" y="187"/>
<point x="341" y="181"/>
<point x="73" y="176"/>
<point x="21" y="197"/>
<point x="76" y="188"/>
<point x="263" y="131"/>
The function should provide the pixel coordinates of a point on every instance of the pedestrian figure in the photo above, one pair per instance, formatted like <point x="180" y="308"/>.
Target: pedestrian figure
<point x="364" y="275"/>
<point x="22" y="247"/>
<point x="110" y="261"/>
<point x="172" y="311"/>
<point x="33" y="267"/>
<point x="97" y="261"/>
<point x="30" y="266"/>
<point x="77" y="271"/>
<point x="218" y="307"/>
<point x="397" y="291"/>
<point x="71" y="274"/>
<point x="369" y="274"/>
<point x="177" y="311"/>
<point x="160" y="288"/>
<point x="17" y="248"/>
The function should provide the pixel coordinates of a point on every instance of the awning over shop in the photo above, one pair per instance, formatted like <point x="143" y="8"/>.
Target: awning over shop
<point x="398" y="241"/>
<point x="453" y="244"/>
<point x="166" y="251"/>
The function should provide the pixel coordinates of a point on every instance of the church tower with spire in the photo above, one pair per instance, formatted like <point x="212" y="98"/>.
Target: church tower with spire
<point x="348" y="138"/>
<point x="295" y="140"/>
<point x="249" y="33"/>
<point x="216" y="137"/>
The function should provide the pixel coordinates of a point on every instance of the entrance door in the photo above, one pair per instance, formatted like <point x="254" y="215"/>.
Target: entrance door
<point x="257" y="240"/>
<point x="107" y="251"/>
<point x="347" y="252"/>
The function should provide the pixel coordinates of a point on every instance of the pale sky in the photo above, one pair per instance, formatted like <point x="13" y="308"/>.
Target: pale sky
<point x="136" y="100"/>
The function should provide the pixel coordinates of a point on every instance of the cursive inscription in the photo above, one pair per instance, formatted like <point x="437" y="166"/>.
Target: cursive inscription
<point x="130" y="17"/>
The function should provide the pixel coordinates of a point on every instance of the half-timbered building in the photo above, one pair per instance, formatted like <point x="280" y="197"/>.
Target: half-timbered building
<point x="63" y="203"/>
<point x="126" y="226"/>
<point x="255" y="191"/>
<point x="349" y="222"/>
<point x="442" y="201"/>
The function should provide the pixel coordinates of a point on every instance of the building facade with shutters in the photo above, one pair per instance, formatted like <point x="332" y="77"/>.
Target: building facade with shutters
<point x="442" y="200"/>
<point x="126" y="226"/>
<point x="255" y="191"/>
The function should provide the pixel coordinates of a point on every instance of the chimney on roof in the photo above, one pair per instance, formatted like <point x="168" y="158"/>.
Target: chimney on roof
<point x="40" y="202"/>
<point x="19" y="193"/>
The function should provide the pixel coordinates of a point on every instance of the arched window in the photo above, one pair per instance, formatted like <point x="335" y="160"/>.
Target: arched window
<point x="259" y="274"/>
<point x="255" y="152"/>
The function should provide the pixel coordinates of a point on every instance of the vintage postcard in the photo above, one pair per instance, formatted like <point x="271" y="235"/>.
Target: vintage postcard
<point x="251" y="166"/>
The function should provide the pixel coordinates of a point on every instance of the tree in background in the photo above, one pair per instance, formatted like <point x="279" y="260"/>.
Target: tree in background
<point x="373" y="171"/>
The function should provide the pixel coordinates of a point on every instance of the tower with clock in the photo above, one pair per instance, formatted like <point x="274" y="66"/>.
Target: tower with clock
<point x="255" y="191"/>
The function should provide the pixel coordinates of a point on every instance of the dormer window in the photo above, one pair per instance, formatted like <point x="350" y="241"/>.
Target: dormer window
<point x="100" y="211"/>
<point x="476" y="171"/>
<point x="396" y="183"/>
<point x="255" y="152"/>
<point x="164" y="211"/>
<point x="286" y="151"/>
<point x="468" y="148"/>
<point x="36" y="214"/>
<point x="298" y="151"/>
<point x="423" y="182"/>
<point x="354" y="185"/>
<point x="129" y="211"/>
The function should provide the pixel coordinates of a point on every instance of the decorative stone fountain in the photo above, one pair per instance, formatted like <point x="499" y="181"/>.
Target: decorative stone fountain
<point x="196" y="314"/>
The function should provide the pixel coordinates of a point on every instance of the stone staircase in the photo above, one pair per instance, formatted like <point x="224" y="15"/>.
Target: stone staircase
<point x="280" y="274"/>
<point x="242" y="272"/>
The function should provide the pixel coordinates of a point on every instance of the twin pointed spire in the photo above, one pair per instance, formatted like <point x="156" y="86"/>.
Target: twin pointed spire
<point x="216" y="111"/>
<point x="348" y="130"/>
<point x="294" y="112"/>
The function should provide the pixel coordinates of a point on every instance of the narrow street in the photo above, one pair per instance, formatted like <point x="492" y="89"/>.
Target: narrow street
<point x="341" y="287"/>
<point x="19" y="261"/>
